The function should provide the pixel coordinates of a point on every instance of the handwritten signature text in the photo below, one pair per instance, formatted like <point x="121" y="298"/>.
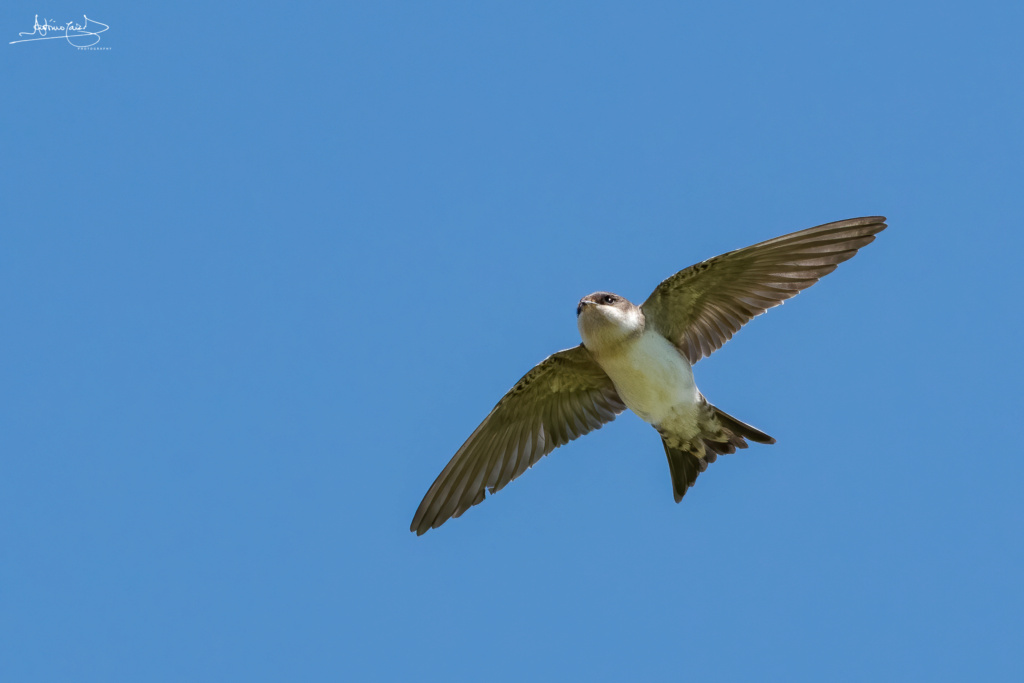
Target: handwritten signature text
<point x="79" y="35"/>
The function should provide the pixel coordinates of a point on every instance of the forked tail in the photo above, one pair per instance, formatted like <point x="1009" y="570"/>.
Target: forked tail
<point x="723" y="435"/>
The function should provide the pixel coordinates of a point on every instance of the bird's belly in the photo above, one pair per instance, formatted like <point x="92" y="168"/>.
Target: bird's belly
<point x="653" y="379"/>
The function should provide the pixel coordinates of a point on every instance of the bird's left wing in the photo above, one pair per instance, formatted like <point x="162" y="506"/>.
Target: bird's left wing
<point x="699" y="309"/>
<point x="563" y="397"/>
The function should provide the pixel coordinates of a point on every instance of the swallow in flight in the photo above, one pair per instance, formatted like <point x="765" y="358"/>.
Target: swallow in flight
<point x="641" y="358"/>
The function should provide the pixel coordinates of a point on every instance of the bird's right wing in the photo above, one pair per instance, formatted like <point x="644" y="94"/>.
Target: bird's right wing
<point x="563" y="397"/>
<point x="699" y="308"/>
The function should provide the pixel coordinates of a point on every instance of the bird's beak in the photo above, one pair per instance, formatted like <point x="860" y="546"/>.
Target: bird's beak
<point x="583" y="302"/>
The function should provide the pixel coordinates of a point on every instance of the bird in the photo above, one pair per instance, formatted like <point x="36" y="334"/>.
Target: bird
<point x="642" y="358"/>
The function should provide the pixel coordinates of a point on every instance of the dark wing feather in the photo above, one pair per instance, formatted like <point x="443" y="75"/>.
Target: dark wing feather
<point x="700" y="308"/>
<point x="564" y="397"/>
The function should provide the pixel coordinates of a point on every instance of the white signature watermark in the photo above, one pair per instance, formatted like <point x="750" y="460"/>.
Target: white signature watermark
<point x="86" y="34"/>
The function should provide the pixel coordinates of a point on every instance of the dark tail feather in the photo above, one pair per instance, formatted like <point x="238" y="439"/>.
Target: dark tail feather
<point x="684" y="466"/>
<point x="741" y="429"/>
<point x="692" y="458"/>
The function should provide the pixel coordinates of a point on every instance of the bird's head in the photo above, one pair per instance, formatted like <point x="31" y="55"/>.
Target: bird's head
<point x="607" y="319"/>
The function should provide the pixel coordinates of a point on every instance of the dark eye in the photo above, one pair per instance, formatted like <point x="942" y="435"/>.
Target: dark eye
<point x="609" y="299"/>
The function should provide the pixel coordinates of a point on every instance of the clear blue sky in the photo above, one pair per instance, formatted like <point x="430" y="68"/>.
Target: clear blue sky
<point x="264" y="266"/>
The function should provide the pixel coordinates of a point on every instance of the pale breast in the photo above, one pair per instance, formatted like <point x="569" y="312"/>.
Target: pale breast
<point x="653" y="379"/>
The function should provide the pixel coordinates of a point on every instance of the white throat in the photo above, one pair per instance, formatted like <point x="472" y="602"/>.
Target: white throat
<point x="604" y="328"/>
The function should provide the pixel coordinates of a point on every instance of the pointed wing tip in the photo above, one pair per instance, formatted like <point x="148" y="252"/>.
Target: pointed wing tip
<point x="875" y="224"/>
<point x="422" y="523"/>
<point x="867" y="221"/>
<point x="863" y="220"/>
<point x="880" y="221"/>
<point x="419" y="527"/>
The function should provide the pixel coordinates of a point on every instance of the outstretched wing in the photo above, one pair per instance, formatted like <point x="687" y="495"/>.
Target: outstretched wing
<point x="699" y="309"/>
<point x="565" y="396"/>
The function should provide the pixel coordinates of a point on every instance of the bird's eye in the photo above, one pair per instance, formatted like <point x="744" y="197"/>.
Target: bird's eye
<point x="609" y="299"/>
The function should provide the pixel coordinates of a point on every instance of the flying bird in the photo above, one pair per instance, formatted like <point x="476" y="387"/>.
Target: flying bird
<point x="641" y="358"/>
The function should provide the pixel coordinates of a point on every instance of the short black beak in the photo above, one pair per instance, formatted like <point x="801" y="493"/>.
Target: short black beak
<point x="579" y="309"/>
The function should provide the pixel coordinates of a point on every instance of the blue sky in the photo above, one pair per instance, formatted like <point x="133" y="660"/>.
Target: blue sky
<point x="263" y="267"/>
